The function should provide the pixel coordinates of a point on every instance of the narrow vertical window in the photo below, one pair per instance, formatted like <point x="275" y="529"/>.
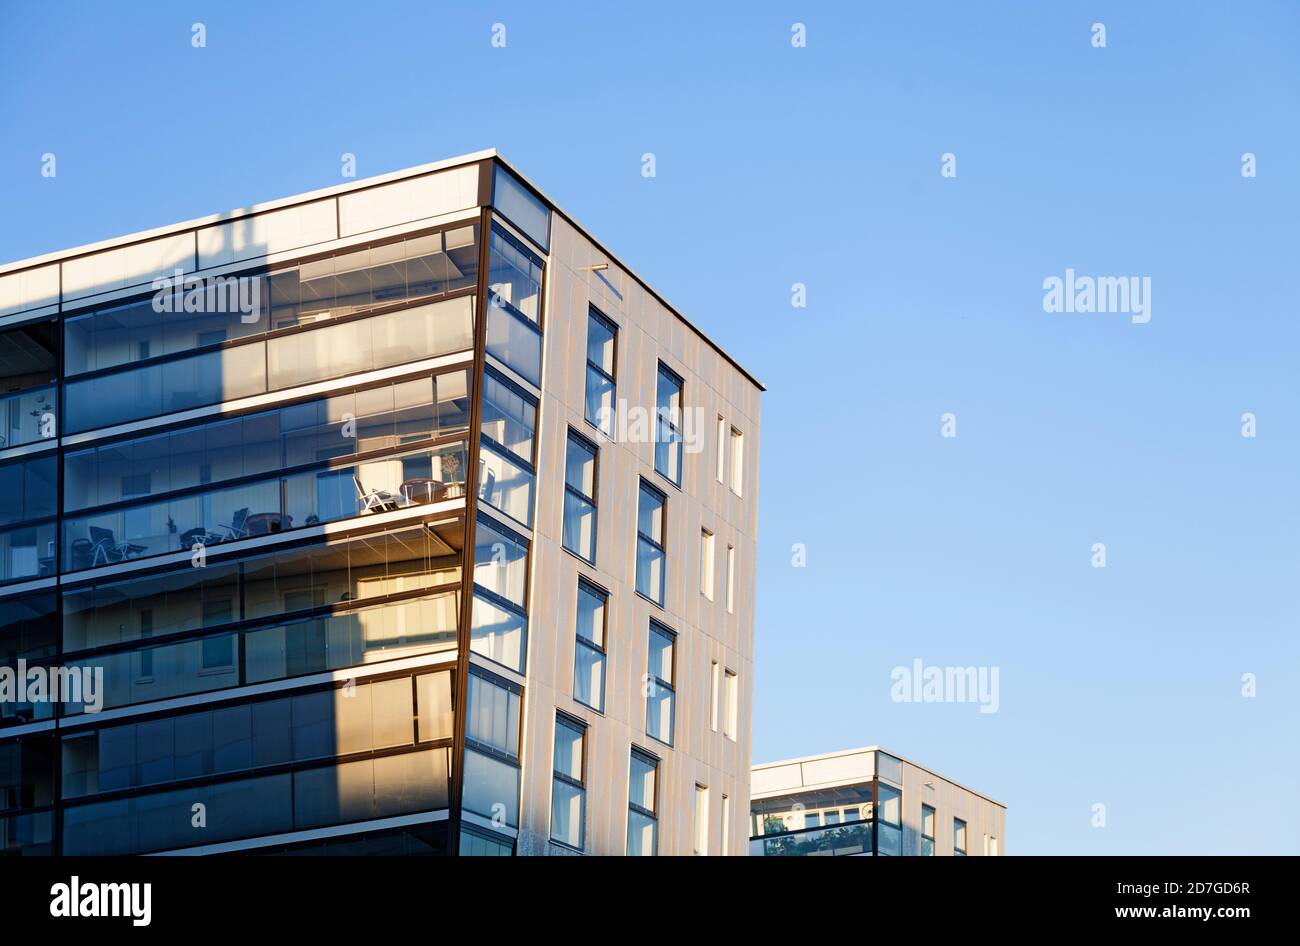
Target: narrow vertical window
<point x="589" y="658"/>
<point x="643" y="805"/>
<point x="737" y="462"/>
<point x="668" y="420"/>
<point x="701" y="843"/>
<point x="580" y="497"/>
<point x="569" y="783"/>
<point x="731" y="579"/>
<point x="650" y="552"/>
<point x="722" y="450"/>
<point x="706" y="563"/>
<point x="726" y="826"/>
<point x="661" y="694"/>
<point x="958" y="837"/>
<point x="927" y="831"/>
<point x="714" y="692"/>
<point x="601" y="387"/>
<point x="733" y="704"/>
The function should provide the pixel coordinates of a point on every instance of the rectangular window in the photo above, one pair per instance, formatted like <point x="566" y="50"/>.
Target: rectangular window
<point x="706" y="563"/>
<point x="927" y="831"/>
<point x="507" y="461"/>
<point x="889" y="820"/>
<point x="643" y="805"/>
<point x="958" y="837"/>
<point x="733" y="703"/>
<point x="500" y="618"/>
<point x="589" y="657"/>
<point x="722" y="450"/>
<point x="668" y="418"/>
<point x="990" y="846"/>
<point x="491" y="771"/>
<point x="731" y="579"/>
<point x="701" y="842"/>
<point x="737" y="462"/>
<point x="514" y="306"/>
<point x="650" y="553"/>
<point x="601" y="387"/>
<point x="661" y="697"/>
<point x="569" y="783"/>
<point x="714" y="692"/>
<point x="726" y="826"/>
<point x="580" y="497"/>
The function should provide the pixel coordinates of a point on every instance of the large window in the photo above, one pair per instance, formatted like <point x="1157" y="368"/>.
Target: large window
<point x="580" y="497"/>
<point x="889" y="820"/>
<point x="341" y="425"/>
<point x="958" y="837"/>
<point x="307" y="497"/>
<point x="506" y="462"/>
<point x="28" y="632"/>
<point x="521" y="206"/>
<point x="643" y="805"/>
<point x="568" y="783"/>
<point x="281" y="361"/>
<point x="409" y="270"/>
<point x="927" y="831"/>
<point x="668" y="437"/>
<point x="514" y="306"/>
<point x="28" y="489"/>
<point x="650" y="544"/>
<point x="500" y="594"/>
<point x="589" y="657"/>
<point x="491" y="786"/>
<point x="278" y="585"/>
<point x="661" y="696"/>
<point x="602" y="389"/>
<point x="366" y="716"/>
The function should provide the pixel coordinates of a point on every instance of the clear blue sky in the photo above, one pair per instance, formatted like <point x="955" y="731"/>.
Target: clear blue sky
<point x="821" y="165"/>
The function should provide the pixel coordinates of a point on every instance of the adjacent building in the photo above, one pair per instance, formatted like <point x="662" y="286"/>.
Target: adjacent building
<point x="397" y="517"/>
<point x="868" y="802"/>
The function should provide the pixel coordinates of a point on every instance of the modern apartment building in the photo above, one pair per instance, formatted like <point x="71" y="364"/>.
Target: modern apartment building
<point x="868" y="801"/>
<point x="396" y="517"/>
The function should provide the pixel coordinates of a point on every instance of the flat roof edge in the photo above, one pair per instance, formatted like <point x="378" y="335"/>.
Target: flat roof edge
<point x="846" y="752"/>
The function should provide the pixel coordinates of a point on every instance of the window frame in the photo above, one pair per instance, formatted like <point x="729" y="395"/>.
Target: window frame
<point x="602" y="648"/>
<point x="653" y="679"/>
<point x="959" y="833"/>
<point x="934" y="817"/>
<point x="573" y="436"/>
<point x="648" y="758"/>
<point x="573" y="723"/>
<point x="595" y="315"/>
<point x="663" y="415"/>
<point x="660" y="546"/>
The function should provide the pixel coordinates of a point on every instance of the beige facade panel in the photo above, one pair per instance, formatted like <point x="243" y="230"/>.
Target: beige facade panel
<point x="29" y="289"/>
<point x="405" y="201"/>
<point x="137" y="264"/>
<point x="268" y="233"/>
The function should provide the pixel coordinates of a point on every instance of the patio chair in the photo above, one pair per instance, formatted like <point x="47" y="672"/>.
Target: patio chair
<point x="375" y="500"/>
<point x="106" y="550"/>
<point x="238" y="528"/>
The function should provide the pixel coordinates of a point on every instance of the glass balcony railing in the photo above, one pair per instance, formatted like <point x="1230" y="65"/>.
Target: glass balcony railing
<point x="262" y="507"/>
<point x="835" y="841"/>
<point x="28" y="416"/>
